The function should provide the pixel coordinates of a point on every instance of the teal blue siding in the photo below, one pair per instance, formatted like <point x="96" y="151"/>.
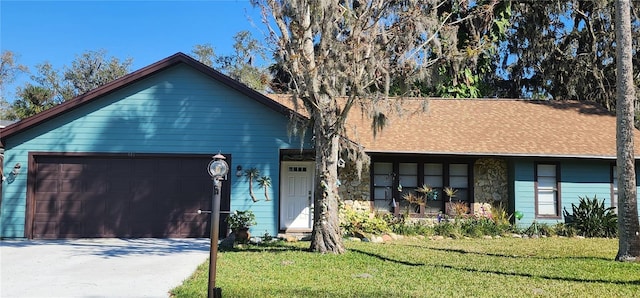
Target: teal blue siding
<point x="578" y="178"/>
<point x="524" y="191"/>
<point x="585" y="179"/>
<point x="178" y="110"/>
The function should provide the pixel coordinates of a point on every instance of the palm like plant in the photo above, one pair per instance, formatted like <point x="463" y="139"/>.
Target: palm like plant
<point x="251" y="174"/>
<point x="265" y="182"/>
<point x="451" y="192"/>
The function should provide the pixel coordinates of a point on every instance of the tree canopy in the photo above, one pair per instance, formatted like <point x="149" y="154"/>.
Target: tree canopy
<point x="565" y="49"/>
<point x="344" y="53"/>
<point x="51" y="86"/>
<point x="241" y="64"/>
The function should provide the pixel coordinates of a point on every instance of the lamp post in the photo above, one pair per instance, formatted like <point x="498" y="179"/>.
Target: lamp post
<point x="218" y="169"/>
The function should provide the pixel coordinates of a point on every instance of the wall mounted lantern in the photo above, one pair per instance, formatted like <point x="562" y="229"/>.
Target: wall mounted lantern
<point x="239" y="171"/>
<point x="13" y="174"/>
<point x="16" y="169"/>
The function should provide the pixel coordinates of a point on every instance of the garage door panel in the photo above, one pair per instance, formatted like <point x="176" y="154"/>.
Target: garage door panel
<point x="195" y="189"/>
<point x="46" y="207"/>
<point x="92" y="229"/>
<point x="46" y="186"/>
<point x="69" y="207"/>
<point x="46" y="230"/>
<point x="69" y="233"/>
<point x="94" y="186"/>
<point x="119" y="184"/>
<point x="194" y="228"/>
<point x="72" y="169"/>
<point x="48" y="168"/>
<point x="71" y="185"/>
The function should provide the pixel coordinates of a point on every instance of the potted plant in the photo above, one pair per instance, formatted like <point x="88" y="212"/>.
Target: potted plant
<point x="239" y="222"/>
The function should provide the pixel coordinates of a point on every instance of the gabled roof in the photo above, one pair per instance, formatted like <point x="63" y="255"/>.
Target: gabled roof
<point x="475" y="127"/>
<point x="132" y="78"/>
<point x="491" y="127"/>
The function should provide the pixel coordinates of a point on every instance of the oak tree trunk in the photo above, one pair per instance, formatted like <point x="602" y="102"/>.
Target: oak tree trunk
<point x="326" y="236"/>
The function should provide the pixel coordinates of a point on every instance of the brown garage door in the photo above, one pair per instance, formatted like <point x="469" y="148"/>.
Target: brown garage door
<point x="122" y="196"/>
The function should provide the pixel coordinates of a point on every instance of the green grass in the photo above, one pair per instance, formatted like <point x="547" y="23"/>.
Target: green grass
<point x="505" y="267"/>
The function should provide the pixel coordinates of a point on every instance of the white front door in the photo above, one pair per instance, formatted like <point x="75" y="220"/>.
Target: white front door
<point x="296" y="196"/>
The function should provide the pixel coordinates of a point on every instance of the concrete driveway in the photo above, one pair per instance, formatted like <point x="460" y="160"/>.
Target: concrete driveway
<point x="97" y="267"/>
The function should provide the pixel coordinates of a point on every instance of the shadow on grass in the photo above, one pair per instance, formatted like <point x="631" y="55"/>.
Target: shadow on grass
<point x="518" y="274"/>
<point x="275" y="247"/>
<point x="462" y="251"/>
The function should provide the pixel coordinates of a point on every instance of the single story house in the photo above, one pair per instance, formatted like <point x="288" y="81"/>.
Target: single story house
<point x="129" y="159"/>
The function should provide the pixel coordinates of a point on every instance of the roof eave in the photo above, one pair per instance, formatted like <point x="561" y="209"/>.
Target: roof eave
<point x="498" y="154"/>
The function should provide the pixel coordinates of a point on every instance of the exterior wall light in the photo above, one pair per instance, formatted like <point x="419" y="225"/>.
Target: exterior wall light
<point x="239" y="171"/>
<point x="13" y="174"/>
<point x="16" y="169"/>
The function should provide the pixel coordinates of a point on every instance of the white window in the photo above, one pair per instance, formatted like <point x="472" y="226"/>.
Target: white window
<point x="459" y="180"/>
<point x="434" y="178"/>
<point x="382" y="183"/>
<point x="547" y="190"/>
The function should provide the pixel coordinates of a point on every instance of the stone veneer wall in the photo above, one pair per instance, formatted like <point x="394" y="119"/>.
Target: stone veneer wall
<point x="490" y="184"/>
<point x="355" y="191"/>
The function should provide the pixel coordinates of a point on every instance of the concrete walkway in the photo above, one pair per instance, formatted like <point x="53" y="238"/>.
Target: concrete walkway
<point x="98" y="267"/>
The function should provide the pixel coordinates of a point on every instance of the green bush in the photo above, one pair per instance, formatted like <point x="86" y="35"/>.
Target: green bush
<point x="413" y="228"/>
<point x="354" y="221"/>
<point x="448" y="229"/>
<point x="565" y="230"/>
<point x="592" y="219"/>
<point x="540" y="229"/>
<point x="501" y="217"/>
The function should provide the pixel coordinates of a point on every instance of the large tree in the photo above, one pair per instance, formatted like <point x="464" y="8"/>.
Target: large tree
<point x="51" y="86"/>
<point x="32" y="100"/>
<point x="93" y="69"/>
<point x="345" y="53"/>
<point x="628" y="226"/>
<point x="564" y="49"/>
<point x="241" y="64"/>
<point x="9" y="69"/>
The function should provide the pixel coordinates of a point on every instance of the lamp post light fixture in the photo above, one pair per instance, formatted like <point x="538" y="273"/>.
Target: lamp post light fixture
<point x="218" y="169"/>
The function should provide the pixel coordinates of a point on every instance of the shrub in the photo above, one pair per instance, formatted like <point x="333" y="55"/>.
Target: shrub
<point x="500" y="216"/>
<point x="563" y="229"/>
<point x="412" y="228"/>
<point x="354" y="221"/>
<point x="592" y="219"/>
<point x="459" y="209"/>
<point x="540" y="229"/>
<point x="448" y="229"/>
<point x="240" y="219"/>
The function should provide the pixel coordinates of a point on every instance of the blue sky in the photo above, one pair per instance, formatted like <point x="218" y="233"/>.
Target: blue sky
<point x="147" y="31"/>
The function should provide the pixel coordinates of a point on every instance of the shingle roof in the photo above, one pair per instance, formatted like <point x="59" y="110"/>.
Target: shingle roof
<point x="460" y="127"/>
<point x="498" y="127"/>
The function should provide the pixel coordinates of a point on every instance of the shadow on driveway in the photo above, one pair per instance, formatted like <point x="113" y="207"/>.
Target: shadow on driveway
<point x="119" y="247"/>
<point x="141" y="267"/>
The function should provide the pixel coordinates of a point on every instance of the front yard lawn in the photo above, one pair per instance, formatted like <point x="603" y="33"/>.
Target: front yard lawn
<point x="505" y="267"/>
